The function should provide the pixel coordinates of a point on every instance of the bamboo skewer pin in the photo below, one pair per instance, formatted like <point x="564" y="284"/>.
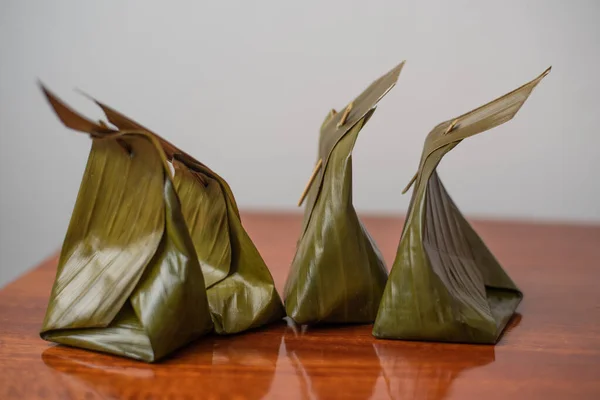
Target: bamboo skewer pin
<point x="319" y="165"/>
<point x="345" y="115"/>
<point x="451" y="126"/>
<point x="414" y="178"/>
<point x="449" y="129"/>
<point x="310" y="181"/>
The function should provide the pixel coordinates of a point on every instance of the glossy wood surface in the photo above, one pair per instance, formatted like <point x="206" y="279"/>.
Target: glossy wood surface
<point x="550" y="351"/>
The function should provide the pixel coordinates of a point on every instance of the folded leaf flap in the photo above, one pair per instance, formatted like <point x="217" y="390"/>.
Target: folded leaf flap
<point x="196" y="165"/>
<point x="170" y="299"/>
<point x="205" y="211"/>
<point x="247" y="297"/>
<point x="332" y="130"/>
<point x="448" y="231"/>
<point x="314" y="190"/>
<point x="125" y="336"/>
<point x="95" y="276"/>
<point x="445" y="285"/>
<point x="479" y="120"/>
<point x="453" y="259"/>
<point x="486" y="117"/>
<point x="122" y="122"/>
<point x="360" y="107"/>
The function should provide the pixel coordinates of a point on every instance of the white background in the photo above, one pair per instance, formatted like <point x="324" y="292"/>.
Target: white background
<point x="244" y="86"/>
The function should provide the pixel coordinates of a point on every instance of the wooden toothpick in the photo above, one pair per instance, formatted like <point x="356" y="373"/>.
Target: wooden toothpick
<point x="451" y="126"/>
<point x="414" y="178"/>
<point x="345" y="115"/>
<point x="310" y="181"/>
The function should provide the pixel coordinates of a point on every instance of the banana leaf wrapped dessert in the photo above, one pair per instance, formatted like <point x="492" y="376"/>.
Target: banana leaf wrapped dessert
<point x="445" y="284"/>
<point x="337" y="274"/>
<point x="241" y="291"/>
<point x="128" y="279"/>
<point x="145" y="268"/>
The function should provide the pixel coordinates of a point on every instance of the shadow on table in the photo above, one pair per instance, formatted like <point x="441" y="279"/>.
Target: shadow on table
<point x="210" y="368"/>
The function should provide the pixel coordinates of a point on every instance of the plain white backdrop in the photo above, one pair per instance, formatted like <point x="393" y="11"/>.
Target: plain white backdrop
<point x="244" y="86"/>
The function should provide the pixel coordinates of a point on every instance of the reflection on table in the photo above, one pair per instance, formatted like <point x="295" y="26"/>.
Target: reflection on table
<point x="281" y="361"/>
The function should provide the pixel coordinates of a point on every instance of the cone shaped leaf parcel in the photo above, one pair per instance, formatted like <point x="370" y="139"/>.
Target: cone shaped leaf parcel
<point x="152" y="259"/>
<point x="337" y="274"/>
<point x="445" y="284"/>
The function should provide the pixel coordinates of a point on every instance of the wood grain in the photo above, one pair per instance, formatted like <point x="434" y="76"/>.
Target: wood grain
<point x="551" y="350"/>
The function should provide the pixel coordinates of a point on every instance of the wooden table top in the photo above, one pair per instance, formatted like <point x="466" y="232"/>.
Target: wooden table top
<point x="550" y="351"/>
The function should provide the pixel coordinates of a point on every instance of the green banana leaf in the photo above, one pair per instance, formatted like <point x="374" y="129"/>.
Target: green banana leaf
<point x="240" y="288"/>
<point x="246" y="298"/>
<point x="445" y="284"/>
<point x="128" y="279"/>
<point x="205" y="211"/>
<point x="337" y="275"/>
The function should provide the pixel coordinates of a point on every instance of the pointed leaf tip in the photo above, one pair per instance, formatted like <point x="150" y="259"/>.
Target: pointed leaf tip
<point x="69" y="117"/>
<point x="85" y="94"/>
<point x="547" y="71"/>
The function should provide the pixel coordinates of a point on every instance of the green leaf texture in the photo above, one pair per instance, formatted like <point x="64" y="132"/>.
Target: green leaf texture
<point x="240" y="288"/>
<point x="128" y="280"/>
<point x="445" y="284"/>
<point x="205" y="212"/>
<point x="246" y="297"/>
<point x="338" y="274"/>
